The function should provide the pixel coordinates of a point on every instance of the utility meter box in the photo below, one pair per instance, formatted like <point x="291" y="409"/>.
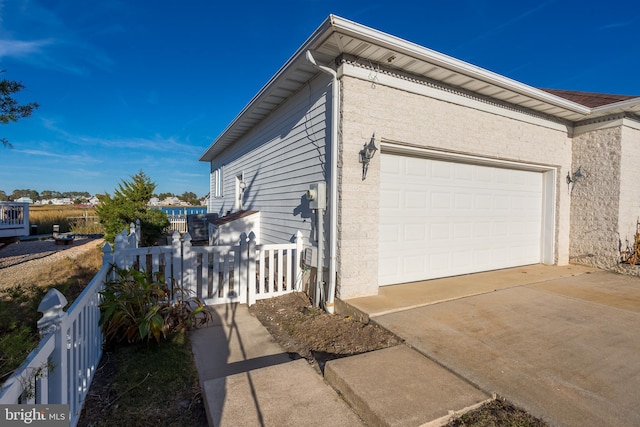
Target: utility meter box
<point x="317" y="195"/>
<point x="310" y="257"/>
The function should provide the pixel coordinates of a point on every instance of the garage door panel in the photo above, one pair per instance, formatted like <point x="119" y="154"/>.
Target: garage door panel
<point x="441" y="218"/>
<point x="415" y="232"/>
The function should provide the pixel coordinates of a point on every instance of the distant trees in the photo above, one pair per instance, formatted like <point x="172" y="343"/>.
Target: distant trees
<point x="189" y="197"/>
<point x="163" y="196"/>
<point x="10" y="109"/>
<point x="82" y="196"/>
<point x="32" y="194"/>
<point x="129" y="203"/>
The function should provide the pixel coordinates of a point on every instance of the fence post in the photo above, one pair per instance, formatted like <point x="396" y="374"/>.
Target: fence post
<point x="120" y="243"/>
<point x="176" y="258"/>
<point x="107" y="257"/>
<point x="138" y="232"/>
<point x="298" y="260"/>
<point x="243" y="267"/>
<point x="251" y="269"/>
<point x="53" y="322"/>
<point x="189" y="266"/>
<point x="132" y="236"/>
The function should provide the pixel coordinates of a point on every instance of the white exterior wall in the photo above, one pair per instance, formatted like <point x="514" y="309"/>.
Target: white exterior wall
<point x="280" y="157"/>
<point x="411" y="115"/>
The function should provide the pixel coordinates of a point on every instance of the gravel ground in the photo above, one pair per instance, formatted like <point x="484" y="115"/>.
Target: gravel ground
<point x="19" y="259"/>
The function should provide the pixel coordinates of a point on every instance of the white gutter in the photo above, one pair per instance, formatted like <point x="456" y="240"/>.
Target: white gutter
<point x="333" y="212"/>
<point x="378" y="38"/>
<point x="617" y="106"/>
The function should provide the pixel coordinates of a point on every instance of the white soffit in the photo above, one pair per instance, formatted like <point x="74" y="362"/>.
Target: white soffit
<point x="338" y="36"/>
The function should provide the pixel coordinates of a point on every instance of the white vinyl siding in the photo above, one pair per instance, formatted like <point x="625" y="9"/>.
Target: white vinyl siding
<point x="280" y="157"/>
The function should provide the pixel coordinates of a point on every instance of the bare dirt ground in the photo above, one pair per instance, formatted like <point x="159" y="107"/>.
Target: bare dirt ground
<point x="315" y="335"/>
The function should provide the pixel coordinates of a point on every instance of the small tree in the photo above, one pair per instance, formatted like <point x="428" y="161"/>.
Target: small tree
<point x="10" y="110"/>
<point x="189" y="197"/>
<point x="129" y="203"/>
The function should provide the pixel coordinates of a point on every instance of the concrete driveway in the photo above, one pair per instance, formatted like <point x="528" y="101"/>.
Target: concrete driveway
<point x="566" y="349"/>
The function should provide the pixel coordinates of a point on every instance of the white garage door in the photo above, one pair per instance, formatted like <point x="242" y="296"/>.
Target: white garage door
<point x="441" y="218"/>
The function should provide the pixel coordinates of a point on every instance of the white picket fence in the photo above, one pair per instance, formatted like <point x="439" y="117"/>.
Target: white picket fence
<point x="178" y="223"/>
<point x="220" y="274"/>
<point x="61" y="368"/>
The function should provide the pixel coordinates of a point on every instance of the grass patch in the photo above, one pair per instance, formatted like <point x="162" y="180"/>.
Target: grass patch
<point x="19" y="304"/>
<point x="146" y="384"/>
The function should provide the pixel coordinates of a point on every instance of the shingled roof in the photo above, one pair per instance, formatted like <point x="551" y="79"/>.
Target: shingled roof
<point x="589" y="99"/>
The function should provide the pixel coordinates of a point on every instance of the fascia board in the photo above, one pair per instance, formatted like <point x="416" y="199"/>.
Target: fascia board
<point x="335" y="24"/>
<point x="262" y="93"/>
<point x="419" y="52"/>
<point x="617" y="106"/>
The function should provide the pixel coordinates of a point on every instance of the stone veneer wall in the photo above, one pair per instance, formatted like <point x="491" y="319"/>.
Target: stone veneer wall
<point x="629" y="184"/>
<point x="595" y="198"/>
<point x="412" y="118"/>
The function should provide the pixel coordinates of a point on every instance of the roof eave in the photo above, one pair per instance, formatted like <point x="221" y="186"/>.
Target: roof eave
<point x="317" y="34"/>
<point x="629" y="105"/>
<point x="334" y="24"/>
<point x="426" y="54"/>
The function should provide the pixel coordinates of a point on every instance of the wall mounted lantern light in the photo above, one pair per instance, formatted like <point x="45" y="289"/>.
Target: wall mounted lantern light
<point x="366" y="154"/>
<point x="572" y="178"/>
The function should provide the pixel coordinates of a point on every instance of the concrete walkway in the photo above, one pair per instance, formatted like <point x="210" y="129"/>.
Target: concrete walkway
<point x="247" y="379"/>
<point x="561" y="342"/>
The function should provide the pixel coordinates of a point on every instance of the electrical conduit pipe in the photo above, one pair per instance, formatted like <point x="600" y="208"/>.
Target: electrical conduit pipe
<point x="333" y="211"/>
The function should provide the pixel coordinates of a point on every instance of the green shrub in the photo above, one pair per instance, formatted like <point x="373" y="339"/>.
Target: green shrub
<point x="128" y="204"/>
<point x="15" y="345"/>
<point x="18" y="325"/>
<point x="136" y="308"/>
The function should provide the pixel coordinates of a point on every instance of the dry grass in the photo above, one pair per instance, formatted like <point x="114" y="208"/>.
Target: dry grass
<point x="74" y="273"/>
<point x="73" y="268"/>
<point x="19" y="302"/>
<point x="70" y="218"/>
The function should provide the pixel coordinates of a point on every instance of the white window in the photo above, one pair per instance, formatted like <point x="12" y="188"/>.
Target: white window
<point x="218" y="182"/>
<point x="240" y="187"/>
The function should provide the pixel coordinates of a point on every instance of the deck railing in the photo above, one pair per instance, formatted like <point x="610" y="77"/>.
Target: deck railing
<point x="14" y="219"/>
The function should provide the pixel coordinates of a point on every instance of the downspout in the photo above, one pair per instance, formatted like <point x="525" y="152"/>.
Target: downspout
<point x="333" y="212"/>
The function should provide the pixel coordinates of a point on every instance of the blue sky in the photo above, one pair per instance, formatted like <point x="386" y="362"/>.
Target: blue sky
<point x="125" y="86"/>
